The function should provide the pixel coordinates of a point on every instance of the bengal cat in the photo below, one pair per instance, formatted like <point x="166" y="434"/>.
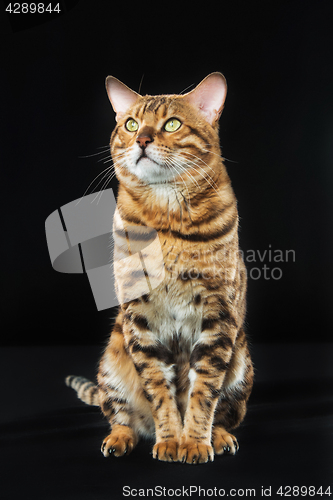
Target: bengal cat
<point x="177" y="365"/>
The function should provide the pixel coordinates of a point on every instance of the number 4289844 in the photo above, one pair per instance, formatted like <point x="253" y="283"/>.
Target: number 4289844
<point x="32" y="8"/>
<point x="302" y="491"/>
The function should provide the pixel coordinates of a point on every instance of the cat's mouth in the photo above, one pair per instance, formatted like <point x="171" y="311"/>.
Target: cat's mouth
<point x="149" y="168"/>
<point x="144" y="156"/>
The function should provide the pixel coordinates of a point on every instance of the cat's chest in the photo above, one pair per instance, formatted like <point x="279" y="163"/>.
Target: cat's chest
<point x="174" y="317"/>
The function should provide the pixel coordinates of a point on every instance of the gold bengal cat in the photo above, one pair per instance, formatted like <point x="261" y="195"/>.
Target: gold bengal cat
<point x="177" y="365"/>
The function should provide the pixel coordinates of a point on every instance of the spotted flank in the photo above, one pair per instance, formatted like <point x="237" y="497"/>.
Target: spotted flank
<point x="177" y="365"/>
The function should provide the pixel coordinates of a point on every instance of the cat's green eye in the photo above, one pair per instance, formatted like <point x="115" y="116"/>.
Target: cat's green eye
<point x="172" y="125"/>
<point x="132" y="125"/>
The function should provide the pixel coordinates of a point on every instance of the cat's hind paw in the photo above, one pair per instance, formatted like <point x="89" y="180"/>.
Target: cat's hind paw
<point x="195" y="453"/>
<point x="120" y="442"/>
<point x="223" y="442"/>
<point x="166" y="450"/>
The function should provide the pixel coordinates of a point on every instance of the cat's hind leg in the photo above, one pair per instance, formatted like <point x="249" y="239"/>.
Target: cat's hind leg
<point x="121" y="441"/>
<point x="231" y="407"/>
<point x="229" y="414"/>
<point x="223" y="441"/>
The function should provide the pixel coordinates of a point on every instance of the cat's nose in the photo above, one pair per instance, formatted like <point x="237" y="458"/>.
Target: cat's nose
<point x="144" y="138"/>
<point x="143" y="141"/>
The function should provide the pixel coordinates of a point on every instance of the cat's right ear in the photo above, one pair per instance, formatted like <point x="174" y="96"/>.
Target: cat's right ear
<point x="209" y="96"/>
<point x="121" y="96"/>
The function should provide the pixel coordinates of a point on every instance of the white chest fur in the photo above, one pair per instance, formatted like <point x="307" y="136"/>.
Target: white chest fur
<point x="173" y="316"/>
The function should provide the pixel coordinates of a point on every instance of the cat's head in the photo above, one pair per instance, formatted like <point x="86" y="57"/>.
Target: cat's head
<point x="167" y="138"/>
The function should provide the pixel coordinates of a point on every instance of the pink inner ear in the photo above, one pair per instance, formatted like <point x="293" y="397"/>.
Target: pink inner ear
<point x="209" y="96"/>
<point x="121" y="97"/>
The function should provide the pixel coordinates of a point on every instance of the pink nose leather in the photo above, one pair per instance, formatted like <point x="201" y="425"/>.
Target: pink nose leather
<point x="143" y="141"/>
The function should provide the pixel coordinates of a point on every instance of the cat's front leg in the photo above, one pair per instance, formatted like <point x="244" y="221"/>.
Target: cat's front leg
<point x="154" y="364"/>
<point x="209" y="362"/>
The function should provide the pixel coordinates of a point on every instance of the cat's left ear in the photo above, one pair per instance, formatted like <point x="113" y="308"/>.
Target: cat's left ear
<point x="121" y="96"/>
<point x="209" y="96"/>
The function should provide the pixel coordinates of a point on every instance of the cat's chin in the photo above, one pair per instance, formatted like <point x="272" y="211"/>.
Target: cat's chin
<point x="150" y="172"/>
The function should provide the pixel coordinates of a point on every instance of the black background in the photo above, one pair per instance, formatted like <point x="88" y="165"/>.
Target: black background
<point x="277" y="128"/>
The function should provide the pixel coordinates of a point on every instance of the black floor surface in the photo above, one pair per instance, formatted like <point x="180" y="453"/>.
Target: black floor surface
<point x="50" y="441"/>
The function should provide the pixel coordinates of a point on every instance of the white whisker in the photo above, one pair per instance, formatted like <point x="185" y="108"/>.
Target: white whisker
<point x="207" y="177"/>
<point x="191" y="178"/>
<point x="106" y="159"/>
<point x="174" y="166"/>
<point x="200" y="159"/>
<point x="106" y="183"/>
<point x="96" y="154"/>
<point x="171" y="164"/>
<point x="216" y="154"/>
<point x="106" y="172"/>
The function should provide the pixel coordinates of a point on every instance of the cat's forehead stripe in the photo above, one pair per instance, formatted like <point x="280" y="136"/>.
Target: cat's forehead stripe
<point x="159" y="104"/>
<point x="155" y="104"/>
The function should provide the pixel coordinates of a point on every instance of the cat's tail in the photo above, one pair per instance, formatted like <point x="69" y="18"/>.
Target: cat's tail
<point x="86" y="391"/>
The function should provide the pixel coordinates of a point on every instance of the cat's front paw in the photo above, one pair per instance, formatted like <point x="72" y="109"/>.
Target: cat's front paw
<point x="193" y="452"/>
<point x="120" y="442"/>
<point x="166" y="450"/>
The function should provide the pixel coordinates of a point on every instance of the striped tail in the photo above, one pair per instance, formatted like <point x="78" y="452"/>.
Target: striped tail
<point x="86" y="391"/>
